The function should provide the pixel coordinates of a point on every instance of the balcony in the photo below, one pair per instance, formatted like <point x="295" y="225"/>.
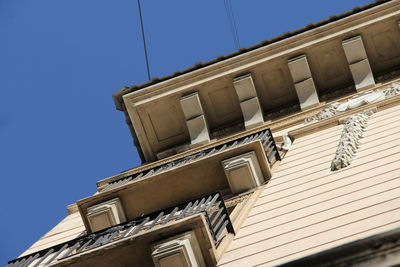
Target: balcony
<point x="146" y="190"/>
<point x="207" y="213"/>
<point x="264" y="136"/>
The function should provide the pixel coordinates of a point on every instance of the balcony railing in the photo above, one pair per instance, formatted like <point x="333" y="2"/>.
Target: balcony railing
<point x="212" y="206"/>
<point x="265" y="136"/>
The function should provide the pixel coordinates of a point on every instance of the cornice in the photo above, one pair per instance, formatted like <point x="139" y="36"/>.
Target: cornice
<point x="285" y="40"/>
<point x="243" y="62"/>
<point x="277" y="125"/>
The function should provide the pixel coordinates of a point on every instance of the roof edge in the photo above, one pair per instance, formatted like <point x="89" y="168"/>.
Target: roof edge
<point x="117" y="96"/>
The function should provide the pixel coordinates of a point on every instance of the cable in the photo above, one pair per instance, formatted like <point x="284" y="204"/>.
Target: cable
<point x="232" y="23"/>
<point x="144" y="40"/>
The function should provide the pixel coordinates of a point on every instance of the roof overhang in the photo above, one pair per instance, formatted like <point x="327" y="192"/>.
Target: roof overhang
<point x="147" y="107"/>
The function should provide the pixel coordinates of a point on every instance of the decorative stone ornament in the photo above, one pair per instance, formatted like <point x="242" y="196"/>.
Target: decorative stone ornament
<point x="287" y="143"/>
<point x="303" y="82"/>
<point x="252" y="113"/>
<point x="243" y="172"/>
<point x="353" y="130"/>
<point x="178" y="251"/>
<point x="195" y="119"/>
<point x="359" y="100"/>
<point x="105" y="214"/>
<point x="249" y="103"/>
<point x="198" y="130"/>
<point x="244" y="87"/>
<point x="358" y="63"/>
<point x="392" y="90"/>
<point x="191" y="106"/>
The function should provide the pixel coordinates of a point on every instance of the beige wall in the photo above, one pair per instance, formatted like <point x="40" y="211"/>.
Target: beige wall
<point x="306" y="208"/>
<point x="69" y="228"/>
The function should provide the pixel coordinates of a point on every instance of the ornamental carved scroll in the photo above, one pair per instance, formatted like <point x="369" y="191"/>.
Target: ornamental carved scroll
<point x="353" y="130"/>
<point x="358" y="100"/>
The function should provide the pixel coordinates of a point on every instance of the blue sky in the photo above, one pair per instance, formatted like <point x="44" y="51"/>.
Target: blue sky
<point x="60" y="62"/>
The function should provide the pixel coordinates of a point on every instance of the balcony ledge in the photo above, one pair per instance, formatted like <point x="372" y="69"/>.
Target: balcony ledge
<point x="139" y="246"/>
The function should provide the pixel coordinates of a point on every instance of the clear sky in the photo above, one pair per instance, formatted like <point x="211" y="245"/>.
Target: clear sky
<point x="60" y="62"/>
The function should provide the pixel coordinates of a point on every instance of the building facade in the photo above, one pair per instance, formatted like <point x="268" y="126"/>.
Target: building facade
<point x="284" y="153"/>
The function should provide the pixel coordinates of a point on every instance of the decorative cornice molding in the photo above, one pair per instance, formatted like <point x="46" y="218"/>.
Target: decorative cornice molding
<point x="238" y="199"/>
<point x="276" y="125"/>
<point x="392" y="90"/>
<point x="358" y="100"/>
<point x="335" y="24"/>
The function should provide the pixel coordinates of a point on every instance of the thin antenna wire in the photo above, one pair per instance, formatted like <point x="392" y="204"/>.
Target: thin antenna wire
<point x="144" y="40"/>
<point x="232" y="24"/>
